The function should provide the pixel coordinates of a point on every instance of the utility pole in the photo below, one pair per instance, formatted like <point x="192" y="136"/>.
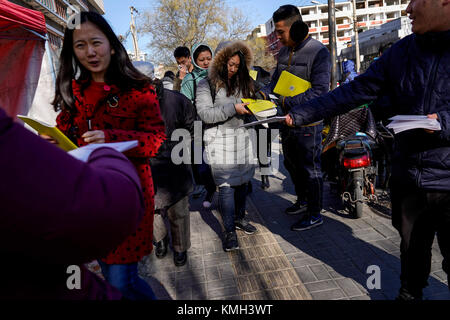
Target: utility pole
<point x="332" y="41"/>
<point x="355" y="29"/>
<point x="134" y="34"/>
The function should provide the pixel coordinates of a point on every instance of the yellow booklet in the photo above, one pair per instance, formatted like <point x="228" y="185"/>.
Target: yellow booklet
<point x="256" y="106"/>
<point x="289" y="85"/>
<point x="254" y="74"/>
<point x="63" y="142"/>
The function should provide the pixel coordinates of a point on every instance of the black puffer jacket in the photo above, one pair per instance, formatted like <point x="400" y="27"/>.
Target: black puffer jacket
<point x="172" y="181"/>
<point x="415" y="74"/>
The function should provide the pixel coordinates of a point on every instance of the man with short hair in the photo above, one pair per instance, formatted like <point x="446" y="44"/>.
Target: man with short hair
<point x="183" y="57"/>
<point x="310" y="60"/>
<point x="415" y="75"/>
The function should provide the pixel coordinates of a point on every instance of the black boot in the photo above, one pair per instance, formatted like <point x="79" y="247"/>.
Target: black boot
<point x="179" y="258"/>
<point x="265" y="184"/>
<point x="161" y="247"/>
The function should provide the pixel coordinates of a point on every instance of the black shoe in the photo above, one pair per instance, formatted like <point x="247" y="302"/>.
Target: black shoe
<point x="297" y="208"/>
<point x="265" y="184"/>
<point x="405" y="295"/>
<point x="179" y="258"/>
<point x="161" y="247"/>
<point x="245" y="226"/>
<point x="309" y="222"/>
<point x="230" y="242"/>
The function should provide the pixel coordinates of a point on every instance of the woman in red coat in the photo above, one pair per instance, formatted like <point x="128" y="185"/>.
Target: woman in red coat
<point x="105" y="99"/>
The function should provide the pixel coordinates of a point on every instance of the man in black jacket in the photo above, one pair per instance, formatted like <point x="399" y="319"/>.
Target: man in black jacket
<point x="415" y="75"/>
<point x="310" y="60"/>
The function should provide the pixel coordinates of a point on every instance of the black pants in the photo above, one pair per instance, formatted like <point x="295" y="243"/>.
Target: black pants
<point x="202" y="172"/>
<point x="301" y="149"/>
<point x="418" y="215"/>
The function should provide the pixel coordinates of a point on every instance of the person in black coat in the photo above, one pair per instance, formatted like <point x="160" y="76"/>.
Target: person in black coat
<point x="173" y="181"/>
<point x="415" y="75"/>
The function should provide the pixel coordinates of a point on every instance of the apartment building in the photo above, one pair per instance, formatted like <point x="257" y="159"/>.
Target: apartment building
<point x="369" y="14"/>
<point x="57" y="12"/>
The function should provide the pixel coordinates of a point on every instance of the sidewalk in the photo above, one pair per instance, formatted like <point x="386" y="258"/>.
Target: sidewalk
<point x="325" y="263"/>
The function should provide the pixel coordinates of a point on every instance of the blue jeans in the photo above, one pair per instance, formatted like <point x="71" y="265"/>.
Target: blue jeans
<point x="232" y="205"/>
<point x="126" y="279"/>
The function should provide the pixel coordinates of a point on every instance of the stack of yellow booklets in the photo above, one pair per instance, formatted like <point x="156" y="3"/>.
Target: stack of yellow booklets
<point x="256" y="106"/>
<point x="289" y="85"/>
<point x="42" y="128"/>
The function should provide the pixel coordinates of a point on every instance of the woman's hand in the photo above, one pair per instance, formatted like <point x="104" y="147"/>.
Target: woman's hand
<point x="241" y="108"/>
<point x="48" y="138"/>
<point x="96" y="136"/>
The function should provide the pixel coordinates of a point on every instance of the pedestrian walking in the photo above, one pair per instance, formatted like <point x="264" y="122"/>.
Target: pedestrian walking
<point x="414" y="73"/>
<point x="104" y="98"/>
<point x="220" y="107"/>
<point x="308" y="59"/>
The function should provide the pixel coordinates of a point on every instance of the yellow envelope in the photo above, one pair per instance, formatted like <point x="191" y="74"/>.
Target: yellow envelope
<point x="289" y="85"/>
<point x="63" y="142"/>
<point x="253" y="74"/>
<point x="256" y="106"/>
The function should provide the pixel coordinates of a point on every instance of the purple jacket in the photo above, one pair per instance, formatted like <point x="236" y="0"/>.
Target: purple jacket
<point x="57" y="211"/>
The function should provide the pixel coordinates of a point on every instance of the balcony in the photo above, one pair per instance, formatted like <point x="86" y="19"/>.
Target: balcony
<point x="55" y="10"/>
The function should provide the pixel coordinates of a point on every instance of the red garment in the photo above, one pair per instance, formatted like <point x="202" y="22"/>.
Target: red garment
<point x="136" y="117"/>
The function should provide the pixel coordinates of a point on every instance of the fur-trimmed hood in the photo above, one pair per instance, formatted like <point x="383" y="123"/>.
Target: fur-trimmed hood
<point x="223" y="54"/>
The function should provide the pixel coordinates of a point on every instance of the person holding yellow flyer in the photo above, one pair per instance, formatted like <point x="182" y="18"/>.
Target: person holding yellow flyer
<point x="302" y="73"/>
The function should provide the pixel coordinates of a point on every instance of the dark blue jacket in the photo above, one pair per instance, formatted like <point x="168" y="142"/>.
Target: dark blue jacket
<point x="310" y="61"/>
<point x="415" y="74"/>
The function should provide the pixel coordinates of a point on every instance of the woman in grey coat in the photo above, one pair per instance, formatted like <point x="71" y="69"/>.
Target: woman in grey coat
<point x="229" y="149"/>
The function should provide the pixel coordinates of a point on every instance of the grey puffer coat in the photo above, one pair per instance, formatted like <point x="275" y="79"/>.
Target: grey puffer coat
<point x="230" y="150"/>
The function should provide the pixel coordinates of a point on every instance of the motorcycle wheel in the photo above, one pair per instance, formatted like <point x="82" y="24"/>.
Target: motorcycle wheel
<point x="358" y="185"/>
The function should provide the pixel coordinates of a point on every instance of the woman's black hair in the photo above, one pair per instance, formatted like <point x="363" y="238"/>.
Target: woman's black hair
<point x="120" y="73"/>
<point x="200" y="49"/>
<point x="241" y="81"/>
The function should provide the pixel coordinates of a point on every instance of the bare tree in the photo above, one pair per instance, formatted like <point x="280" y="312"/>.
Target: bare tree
<point x="261" y="55"/>
<point x="176" y="23"/>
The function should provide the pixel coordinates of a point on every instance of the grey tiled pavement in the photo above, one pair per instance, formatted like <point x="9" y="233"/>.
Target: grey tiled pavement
<point x="325" y="263"/>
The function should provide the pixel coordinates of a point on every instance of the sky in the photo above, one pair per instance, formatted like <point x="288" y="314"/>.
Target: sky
<point x="117" y="13"/>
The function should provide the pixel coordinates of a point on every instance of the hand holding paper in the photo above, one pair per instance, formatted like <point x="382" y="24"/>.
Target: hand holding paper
<point x="402" y="123"/>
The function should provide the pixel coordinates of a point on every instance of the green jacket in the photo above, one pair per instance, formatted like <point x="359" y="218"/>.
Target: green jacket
<point x="187" y="85"/>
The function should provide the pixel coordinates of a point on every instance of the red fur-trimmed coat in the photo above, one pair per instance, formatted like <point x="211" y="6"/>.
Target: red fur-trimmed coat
<point x="136" y="117"/>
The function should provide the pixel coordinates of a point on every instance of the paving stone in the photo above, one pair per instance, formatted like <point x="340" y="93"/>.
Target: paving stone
<point x="305" y="274"/>
<point x="349" y="287"/>
<point x="321" y="286"/>
<point x="333" y="294"/>
<point x="219" y="284"/>
<point x="305" y="262"/>
<point x="222" y="292"/>
<point x="320" y="272"/>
